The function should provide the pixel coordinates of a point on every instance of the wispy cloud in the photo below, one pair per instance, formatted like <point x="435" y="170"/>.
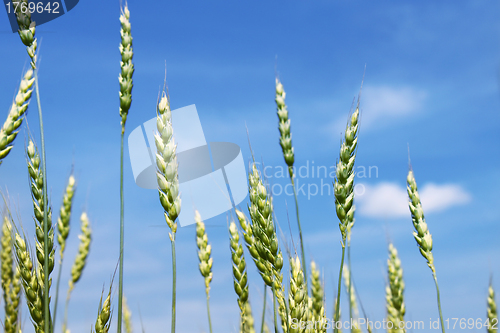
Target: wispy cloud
<point x="389" y="200"/>
<point x="384" y="104"/>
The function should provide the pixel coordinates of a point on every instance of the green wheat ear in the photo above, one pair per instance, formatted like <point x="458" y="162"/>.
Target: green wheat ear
<point x="11" y="126"/>
<point x="11" y="278"/>
<point x="394" y="292"/>
<point x="492" y="313"/>
<point x="421" y="233"/>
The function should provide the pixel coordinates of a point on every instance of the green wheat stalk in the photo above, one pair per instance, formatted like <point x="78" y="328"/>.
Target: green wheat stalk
<point x="126" y="84"/>
<point x="27" y="34"/>
<point x="168" y="180"/>
<point x="288" y="154"/>
<point x="344" y="189"/>
<point x="421" y="233"/>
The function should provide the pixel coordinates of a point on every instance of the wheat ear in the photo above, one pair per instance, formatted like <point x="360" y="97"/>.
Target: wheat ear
<point x="492" y="313"/>
<point x="127" y="317"/>
<point x="421" y="233"/>
<point x="297" y="298"/>
<point x="43" y="219"/>
<point x="316" y="301"/>
<point x="288" y="154"/>
<point x="10" y="128"/>
<point x="63" y="232"/>
<point x="270" y="259"/>
<point x="11" y="279"/>
<point x="103" y="322"/>
<point x="168" y="180"/>
<point x="240" y="278"/>
<point x="353" y="304"/>
<point x="33" y="287"/>
<point x="26" y="30"/>
<point x="205" y="258"/>
<point x="394" y="292"/>
<point x="79" y="263"/>
<point x="344" y="188"/>
<point x="125" y="80"/>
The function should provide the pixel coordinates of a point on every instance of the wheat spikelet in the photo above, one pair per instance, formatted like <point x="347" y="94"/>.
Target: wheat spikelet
<point x="492" y="313"/>
<point x="103" y="322"/>
<point x="127" y="67"/>
<point x="83" y="251"/>
<point x="284" y="127"/>
<point x="394" y="292"/>
<point x="64" y="216"/>
<point x="166" y="161"/>
<point x="10" y="128"/>
<point x="26" y="30"/>
<point x="421" y="233"/>
<point x="247" y="321"/>
<point x="240" y="276"/>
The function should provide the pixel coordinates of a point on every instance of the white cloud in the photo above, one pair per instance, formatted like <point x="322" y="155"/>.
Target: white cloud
<point x="384" y="104"/>
<point x="389" y="200"/>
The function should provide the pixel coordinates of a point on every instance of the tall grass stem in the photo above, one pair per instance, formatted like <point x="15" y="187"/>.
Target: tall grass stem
<point x="45" y="213"/>
<point x="262" y="324"/>
<point x="337" y="306"/>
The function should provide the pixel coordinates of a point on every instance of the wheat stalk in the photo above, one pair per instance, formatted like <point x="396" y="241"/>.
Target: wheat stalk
<point x="492" y="313"/>
<point x="168" y="180"/>
<point x="288" y="154"/>
<point x="10" y="128"/>
<point x="344" y="188"/>
<point x="126" y="84"/>
<point x="421" y="233"/>
<point x="394" y="292"/>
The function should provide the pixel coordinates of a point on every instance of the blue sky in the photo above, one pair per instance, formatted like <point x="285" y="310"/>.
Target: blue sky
<point x="431" y="82"/>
